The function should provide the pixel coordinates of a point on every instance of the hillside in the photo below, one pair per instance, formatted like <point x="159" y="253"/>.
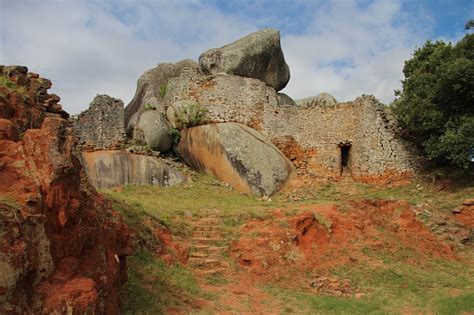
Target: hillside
<point x="338" y="247"/>
<point x="212" y="192"/>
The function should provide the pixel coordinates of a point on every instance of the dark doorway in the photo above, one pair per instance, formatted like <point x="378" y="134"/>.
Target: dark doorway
<point x="345" y="154"/>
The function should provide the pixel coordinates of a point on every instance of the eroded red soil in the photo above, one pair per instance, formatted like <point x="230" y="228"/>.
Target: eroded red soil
<point x="465" y="213"/>
<point x="325" y="236"/>
<point x="62" y="249"/>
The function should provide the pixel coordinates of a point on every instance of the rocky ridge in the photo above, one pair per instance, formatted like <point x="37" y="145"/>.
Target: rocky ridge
<point x="62" y="250"/>
<point x="238" y="83"/>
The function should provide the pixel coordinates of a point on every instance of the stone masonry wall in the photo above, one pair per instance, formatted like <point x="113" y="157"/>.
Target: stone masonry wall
<point x="227" y="97"/>
<point x="319" y="129"/>
<point x="308" y="135"/>
<point x="102" y="125"/>
<point x="377" y="148"/>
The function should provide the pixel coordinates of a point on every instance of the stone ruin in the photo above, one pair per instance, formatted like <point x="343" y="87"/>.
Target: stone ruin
<point x="320" y="136"/>
<point x="102" y="125"/>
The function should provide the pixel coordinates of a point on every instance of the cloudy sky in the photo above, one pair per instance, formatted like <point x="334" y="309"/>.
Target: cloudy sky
<point x="344" y="47"/>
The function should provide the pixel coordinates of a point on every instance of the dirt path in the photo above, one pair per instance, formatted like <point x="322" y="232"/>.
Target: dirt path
<point x="232" y="291"/>
<point x="245" y="269"/>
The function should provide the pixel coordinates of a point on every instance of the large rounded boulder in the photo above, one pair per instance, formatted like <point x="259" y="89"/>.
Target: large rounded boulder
<point x="154" y="130"/>
<point x="237" y="155"/>
<point x="257" y="55"/>
<point x="151" y="87"/>
<point x="322" y="99"/>
<point x="107" y="169"/>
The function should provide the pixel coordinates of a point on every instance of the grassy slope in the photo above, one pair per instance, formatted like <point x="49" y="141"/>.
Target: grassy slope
<point x="431" y="287"/>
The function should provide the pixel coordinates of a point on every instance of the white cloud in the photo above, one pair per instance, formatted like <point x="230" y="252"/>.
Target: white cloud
<point x="348" y="51"/>
<point x="86" y="49"/>
<point x="94" y="47"/>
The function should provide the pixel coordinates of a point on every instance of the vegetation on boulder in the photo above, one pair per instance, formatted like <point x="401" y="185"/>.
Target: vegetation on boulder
<point x="435" y="106"/>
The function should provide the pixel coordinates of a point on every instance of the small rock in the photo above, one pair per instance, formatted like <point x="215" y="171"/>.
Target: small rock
<point x="457" y="210"/>
<point x="359" y="295"/>
<point x="439" y="221"/>
<point x="468" y="202"/>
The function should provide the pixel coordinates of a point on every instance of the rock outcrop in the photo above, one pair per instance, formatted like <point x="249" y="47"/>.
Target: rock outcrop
<point x="153" y="129"/>
<point x="107" y="169"/>
<point x="237" y="155"/>
<point x="322" y="99"/>
<point x="151" y="87"/>
<point x="102" y="125"/>
<point x="285" y="100"/>
<point x="257" y="55"/>
<point x="62" y="250"/>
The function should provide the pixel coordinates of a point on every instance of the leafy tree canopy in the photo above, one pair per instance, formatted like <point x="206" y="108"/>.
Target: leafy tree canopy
<point x="436" y="104"/>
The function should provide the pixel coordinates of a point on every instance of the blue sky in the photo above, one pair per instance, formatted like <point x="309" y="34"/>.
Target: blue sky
<point x="344" y="47"/>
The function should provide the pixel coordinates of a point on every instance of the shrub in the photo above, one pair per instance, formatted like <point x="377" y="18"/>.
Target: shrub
<point x="190" y="115"/>
<point x="436" y="104"/>
<point x="149" y="107"/>
<point x="163" y="88"/>
<point x="175" y="135"/>
<point x="9" y="84"/>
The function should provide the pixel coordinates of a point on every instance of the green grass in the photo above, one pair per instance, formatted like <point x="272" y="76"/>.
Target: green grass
<point x="204" y="197"/>
<point x="207" y="196"/>
<point x="7" y="83"/>
<point x="456" y="304"/>
<point x="399" y="286"/>
<point x="437" y="287"/>
<point x="163" y="88"/>
<point x="153" y="285"/>
<point x="396" y="284"/>
<point x="216" y="280"/>
<point x="299" y="302"/>
<point x="323" y="220"/>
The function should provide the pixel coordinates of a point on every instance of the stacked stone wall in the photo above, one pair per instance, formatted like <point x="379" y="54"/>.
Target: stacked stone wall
<point x="228" y="98"/>
<point x="316" y="131"/>
<point x="102" y="125"/>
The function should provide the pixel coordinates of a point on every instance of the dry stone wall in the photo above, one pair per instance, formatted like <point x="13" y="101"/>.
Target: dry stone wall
<point x="356" y="138"/>
<point x="377" y="148"/>
<point x="102" y="125"/>
<point x="229" y="98"/>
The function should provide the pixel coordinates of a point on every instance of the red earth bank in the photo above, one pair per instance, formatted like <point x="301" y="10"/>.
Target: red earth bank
<point x="62" y="249"/>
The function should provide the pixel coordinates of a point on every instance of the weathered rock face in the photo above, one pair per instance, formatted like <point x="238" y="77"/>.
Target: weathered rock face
<point x="155" y="130"/>
<point x="107" y="169"/>
<point x="61" y="248"/>
<point x="237" y="155"/>
<point x="322" y="99"/>
<point x="257" y="56"/>
<point x="151" y="87"/>
<point x="285" y="100"/>
<point x="101" y="126"/>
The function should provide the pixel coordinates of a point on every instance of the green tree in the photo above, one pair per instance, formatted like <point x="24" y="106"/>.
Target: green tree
<point x="436" y="104"/>
<point x="469" y="24"/>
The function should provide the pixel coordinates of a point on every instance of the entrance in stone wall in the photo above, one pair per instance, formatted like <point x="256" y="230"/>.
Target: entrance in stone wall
<point x="345" y="148"/>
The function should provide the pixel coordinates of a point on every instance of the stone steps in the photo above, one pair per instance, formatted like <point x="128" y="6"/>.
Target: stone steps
<point x="210" y="272"/>
<point x="198" y="228"/>
<point x="208" y="247"/>
<point x="206" y="255"/>
<point x="210" y="234"/>
<point x="208" y="241"/>
<point x="206" y="263"/>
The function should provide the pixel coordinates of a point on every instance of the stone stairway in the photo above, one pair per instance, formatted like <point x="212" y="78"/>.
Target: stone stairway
<point x="208" y="247"/>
